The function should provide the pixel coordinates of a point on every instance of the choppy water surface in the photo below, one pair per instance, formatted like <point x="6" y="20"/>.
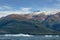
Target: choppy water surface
<point x="28" y="37"/>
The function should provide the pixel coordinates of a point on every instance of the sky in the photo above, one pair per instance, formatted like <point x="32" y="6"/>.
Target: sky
<point x="27" y="6"/>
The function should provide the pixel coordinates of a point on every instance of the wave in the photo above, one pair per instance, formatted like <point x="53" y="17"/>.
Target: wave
<point x="27" y="35"/>
<point x="51" y="35"/>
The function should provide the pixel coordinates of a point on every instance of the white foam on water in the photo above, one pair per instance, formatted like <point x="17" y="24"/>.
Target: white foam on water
<point x="48" y="36"/>
<point x="51" y="35"/>
<point x="27" y="35"/>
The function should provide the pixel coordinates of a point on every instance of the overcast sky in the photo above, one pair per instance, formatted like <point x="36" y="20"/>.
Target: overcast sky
<point x="27" y="6"/>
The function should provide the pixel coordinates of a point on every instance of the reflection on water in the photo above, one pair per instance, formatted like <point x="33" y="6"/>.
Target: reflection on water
<point x="36" y="37"/>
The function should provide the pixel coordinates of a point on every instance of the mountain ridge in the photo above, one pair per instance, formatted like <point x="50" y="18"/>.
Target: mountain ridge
<point x="30" y="24"/>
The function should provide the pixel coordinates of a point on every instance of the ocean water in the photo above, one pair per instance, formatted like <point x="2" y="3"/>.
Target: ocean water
<point x="29" y="37"/>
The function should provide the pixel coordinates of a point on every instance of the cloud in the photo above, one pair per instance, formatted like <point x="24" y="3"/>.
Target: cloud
<point x="25" y="10"/>
<point x="5" y="7"/>
<point x="58" y="0"/>
<point x="56" y="5"/>
<point x="21" y="11"/>
<point x="50" y="0"/>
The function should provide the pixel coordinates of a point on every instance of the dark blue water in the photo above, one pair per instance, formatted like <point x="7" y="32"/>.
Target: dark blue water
<point x="39" y="37"/>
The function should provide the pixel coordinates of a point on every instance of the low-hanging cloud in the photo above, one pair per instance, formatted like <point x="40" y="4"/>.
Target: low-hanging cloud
<point x="21" y="11"/>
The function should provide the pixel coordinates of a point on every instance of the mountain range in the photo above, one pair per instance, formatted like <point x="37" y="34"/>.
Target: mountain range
<point x="35" y="23"/>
